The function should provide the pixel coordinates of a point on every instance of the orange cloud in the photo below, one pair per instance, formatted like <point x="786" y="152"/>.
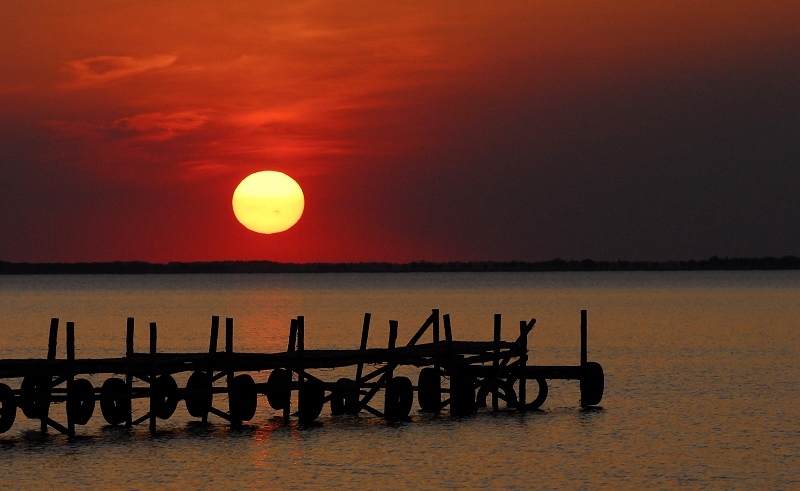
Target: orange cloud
<point x="102" y="69"/>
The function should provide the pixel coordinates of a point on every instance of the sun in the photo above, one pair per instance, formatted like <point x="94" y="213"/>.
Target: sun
<point x="268" y="202"/>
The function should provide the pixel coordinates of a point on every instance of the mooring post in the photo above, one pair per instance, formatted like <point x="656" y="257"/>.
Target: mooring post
<point x="363" y="347"/>
<point x="584" y="336"/>
<point x="229" y="377"/>
<point x="70" y="375"/>
<point x="496" y="361"/>
<point x="153" y="345"/>
<point x="523" y="360"/>
<point x="129" y="376"/>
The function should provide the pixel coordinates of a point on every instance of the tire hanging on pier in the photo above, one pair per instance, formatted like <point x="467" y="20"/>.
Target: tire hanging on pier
<point x="165" y="396"/>
<point x="33" y="396"/>
<point x="8" y="411"/>
<point x="115" y="401"/>
<point x="541" y="396"/>
<point x="244" y="397"/>
<point x="198" y="396"/>
<point x="279" y="389"/>
<point x="80" y="401"/>
<point x="344" y="397"/>
<point x="592" y="384"/>
<point x="310" y="400"/>
<point x="399" y="398"/>
<point x="429" y="390"/>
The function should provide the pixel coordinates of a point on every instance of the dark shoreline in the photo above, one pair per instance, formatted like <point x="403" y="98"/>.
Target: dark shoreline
<point x="555" y="265"/>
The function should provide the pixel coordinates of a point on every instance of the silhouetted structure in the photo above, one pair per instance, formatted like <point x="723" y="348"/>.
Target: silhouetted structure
<point x="474" y="370"/>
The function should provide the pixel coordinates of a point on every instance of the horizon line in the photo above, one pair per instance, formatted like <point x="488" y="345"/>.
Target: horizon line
<point x="714" y="263"/>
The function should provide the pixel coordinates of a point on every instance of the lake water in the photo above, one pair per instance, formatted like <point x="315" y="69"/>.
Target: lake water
<point x="702" y="382"/>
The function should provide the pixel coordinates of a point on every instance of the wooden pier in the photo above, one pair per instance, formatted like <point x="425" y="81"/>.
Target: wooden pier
<point x="462" y="376"/>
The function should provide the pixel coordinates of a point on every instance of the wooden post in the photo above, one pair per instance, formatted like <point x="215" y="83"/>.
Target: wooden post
<point x="212" y="348"/>
<point x="584" y="336"/>
<point x="523" y="359"/>
<point x="70" y="376"/>
<point x="71" y="341"/>
<point x="363" y="347"/>
<point x="52" y="342"/>
<point x="212" y="343"/>
<point x="436" y="327"/>
<point x="44" y="392"/>
<point x="129" y="351"/>
<point x="290" y="349"/>
<point x="235" y="422"/>
<point x="153" y="346"/>
<point x="390" y="351"/>
<point x="423" y="328"/>
<point x="436" y="335"/>
<point x="292" y="336"/>
<point x="301" y="346"/>
<point x="448" y="334"/>
<point x="496" y="361"/>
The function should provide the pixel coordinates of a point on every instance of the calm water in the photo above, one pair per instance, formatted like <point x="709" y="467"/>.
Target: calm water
<point x="702" y="382"/>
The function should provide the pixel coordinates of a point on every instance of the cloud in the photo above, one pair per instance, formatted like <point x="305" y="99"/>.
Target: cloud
<point x="157" y="126"/>
<point x="102" y="69"/>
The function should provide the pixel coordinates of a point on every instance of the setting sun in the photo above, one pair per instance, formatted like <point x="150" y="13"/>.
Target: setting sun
<point x="268" y="202"/>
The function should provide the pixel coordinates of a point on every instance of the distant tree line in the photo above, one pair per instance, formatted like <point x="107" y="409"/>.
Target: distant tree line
<point x="137" y="267"/>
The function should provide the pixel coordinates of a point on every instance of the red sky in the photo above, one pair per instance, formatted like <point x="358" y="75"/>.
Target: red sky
<point x="468" y="130"/>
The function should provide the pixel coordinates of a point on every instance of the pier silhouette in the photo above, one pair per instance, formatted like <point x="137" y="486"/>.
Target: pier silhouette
<point x="461" y="376"/>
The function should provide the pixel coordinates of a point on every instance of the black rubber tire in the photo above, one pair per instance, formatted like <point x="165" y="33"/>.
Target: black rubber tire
<point x="80" y="401"/>
<point x="429" y="390"/>
<point x="344" y="398"/>
<point x="165" y="396"/>
<point x="462" y="395"/>
<point x="33" y="396"/>
<point x="399" y="398"/>
<point x="541" y="396"/>
<point x="115" y="401"/>
<point x="8" y="411"/>
<point x="244" y="397"/>
<point x="198" y="397"/>
<point x="592" y="384"/>
<point x="279" y="389"/>
<point x="309" y="400"/>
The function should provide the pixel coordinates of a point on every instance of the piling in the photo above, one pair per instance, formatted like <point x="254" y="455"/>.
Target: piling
<point x="584" y="341"/>
<point x="152" y="376"/>
<point x="496" y="361"/>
